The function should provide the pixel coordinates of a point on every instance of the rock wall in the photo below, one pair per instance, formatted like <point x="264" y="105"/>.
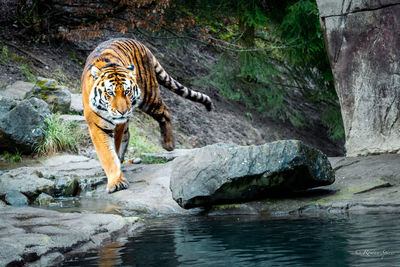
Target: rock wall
<point x="363" y="44"/>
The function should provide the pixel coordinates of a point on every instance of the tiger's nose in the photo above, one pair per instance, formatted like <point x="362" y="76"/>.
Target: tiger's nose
<point x="121" y="112"/>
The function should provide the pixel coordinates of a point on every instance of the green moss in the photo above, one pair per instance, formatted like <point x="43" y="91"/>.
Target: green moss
<point x="225" y="207"/>
<point x="153" y="160"/>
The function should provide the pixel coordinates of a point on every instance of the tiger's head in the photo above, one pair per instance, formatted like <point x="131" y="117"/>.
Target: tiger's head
<point x="115" y="92"/>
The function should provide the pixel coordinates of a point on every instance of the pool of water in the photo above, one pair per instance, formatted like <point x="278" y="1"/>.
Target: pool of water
<point x="368" y="240"/>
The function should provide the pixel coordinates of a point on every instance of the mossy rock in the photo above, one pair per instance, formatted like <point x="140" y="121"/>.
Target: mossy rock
<point x="57" y="96"/>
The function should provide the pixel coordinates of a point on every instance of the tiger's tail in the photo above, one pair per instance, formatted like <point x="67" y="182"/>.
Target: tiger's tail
<point x="166" y="80"/>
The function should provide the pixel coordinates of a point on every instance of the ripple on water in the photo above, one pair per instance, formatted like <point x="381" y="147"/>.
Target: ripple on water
<point x="368" y="240"/>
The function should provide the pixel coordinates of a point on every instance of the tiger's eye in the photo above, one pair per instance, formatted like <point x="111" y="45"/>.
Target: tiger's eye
<point x="110" y="92"/>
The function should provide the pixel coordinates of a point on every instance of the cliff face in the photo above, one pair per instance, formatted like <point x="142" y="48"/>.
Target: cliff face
<point x="363" y="43"/>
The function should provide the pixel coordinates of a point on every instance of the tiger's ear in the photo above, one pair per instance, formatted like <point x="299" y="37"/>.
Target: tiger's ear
<point x="94" y="71"/>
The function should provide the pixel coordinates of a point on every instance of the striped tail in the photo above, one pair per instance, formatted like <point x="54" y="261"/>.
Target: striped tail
<point x="164" y="79"/>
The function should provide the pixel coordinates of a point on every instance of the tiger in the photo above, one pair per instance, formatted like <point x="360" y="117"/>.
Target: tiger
<point x="120" y="75"/>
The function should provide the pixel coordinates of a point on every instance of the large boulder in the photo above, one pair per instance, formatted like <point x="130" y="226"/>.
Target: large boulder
<point x="57" y="96"/>
<point x="224" y="173"/>
<point x="363" y="44"/>
<point x="22" y="124"/>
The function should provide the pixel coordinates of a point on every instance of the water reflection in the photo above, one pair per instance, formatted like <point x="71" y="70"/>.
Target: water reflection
<point x="359" y="240"/>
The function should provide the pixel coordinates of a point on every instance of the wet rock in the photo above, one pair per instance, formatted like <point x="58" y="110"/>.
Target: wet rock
<point x="22" y="127"/>
<point x="57" y="96"/>
<point x="16" y="198"/>
<point x="67" y="186"/>
<point x="62" y="175"/>
<point x="27" y="182"/>
<point x="362" y="40"/>
<point x="44" y="199"/>
<point x="224" y="173"/>
<point x="17" y="90"/>
<point x="31" y="236"/>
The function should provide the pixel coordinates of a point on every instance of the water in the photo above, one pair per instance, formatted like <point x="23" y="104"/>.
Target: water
<point x="367" y="240"/>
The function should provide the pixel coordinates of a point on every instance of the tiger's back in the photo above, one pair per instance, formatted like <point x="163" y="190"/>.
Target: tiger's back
<point x="119" y="75"/>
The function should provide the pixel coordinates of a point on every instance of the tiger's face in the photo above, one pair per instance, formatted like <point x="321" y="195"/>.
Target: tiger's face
<point x="115" y="92"/>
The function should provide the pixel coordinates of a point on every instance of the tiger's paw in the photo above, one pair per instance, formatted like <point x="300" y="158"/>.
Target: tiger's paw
<point x="117" y="185"/>
<point x="169" y="146"/>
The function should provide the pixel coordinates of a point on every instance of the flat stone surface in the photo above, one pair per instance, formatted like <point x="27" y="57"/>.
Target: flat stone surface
<point x="59" y="169"/>
<point x="17" y="90"/>
<point x="363" y="185"/>
<point x="76" y="103"/>
<point x="37" y="236"/>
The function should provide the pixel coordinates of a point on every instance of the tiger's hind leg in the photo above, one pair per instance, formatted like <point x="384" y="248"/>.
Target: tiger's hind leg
<point x="121" y="140"/>
<point x="161" y="115"/>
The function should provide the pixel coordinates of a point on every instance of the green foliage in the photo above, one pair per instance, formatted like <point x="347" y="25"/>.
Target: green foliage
<point x="4" y="56"/>
<point x="17" y="157"/>
<point x="286" y="57"/>
<point x="153" y="160"/>
<point x="27" y="73"/>
<point x="332" y="119"/>
<point x="60" y="135"/>
<point x="140" y="143"/>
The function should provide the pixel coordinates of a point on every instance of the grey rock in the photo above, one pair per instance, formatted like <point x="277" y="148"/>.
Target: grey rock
<point x="363" y="185"/>
<point x="37" y="236"/>
<point x="229" y="173"/>
<point x="338" y="8"/>
<point x="17" y="90"/>
<point x="22" y="127"/>
<point x="26" y="181"/>
<point x="61" y="175"/>
<point x="169" y="155"/>
<point x="57" y="96"/>
<point x="44" y="199"/>
<point x="6" y="104"/>
<point x="363" y="50"/>
<point x="137" y="161"/>
<point x="76" y="103"/>
<point x="16" y="198"/>
<point x="67" y="186"/>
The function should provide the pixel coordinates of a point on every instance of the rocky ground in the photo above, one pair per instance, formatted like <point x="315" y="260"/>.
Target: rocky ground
<point x="363" y="185"/>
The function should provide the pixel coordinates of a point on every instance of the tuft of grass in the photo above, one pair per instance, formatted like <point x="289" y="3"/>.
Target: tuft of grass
<point x="17" y="157"/>
<point x="4" y="55"/>
<point x="153" y="160"/>
<point x="27" y="73"/>
<point x="60" y="136"/>
<point x="140" y="143"/>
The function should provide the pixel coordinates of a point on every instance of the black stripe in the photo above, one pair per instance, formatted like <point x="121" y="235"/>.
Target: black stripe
<point x="106" y="131"/>
<point x="104" y="119"/>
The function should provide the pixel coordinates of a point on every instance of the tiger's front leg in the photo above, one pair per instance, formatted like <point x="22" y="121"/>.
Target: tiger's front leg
<point x="104" y="144"/>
